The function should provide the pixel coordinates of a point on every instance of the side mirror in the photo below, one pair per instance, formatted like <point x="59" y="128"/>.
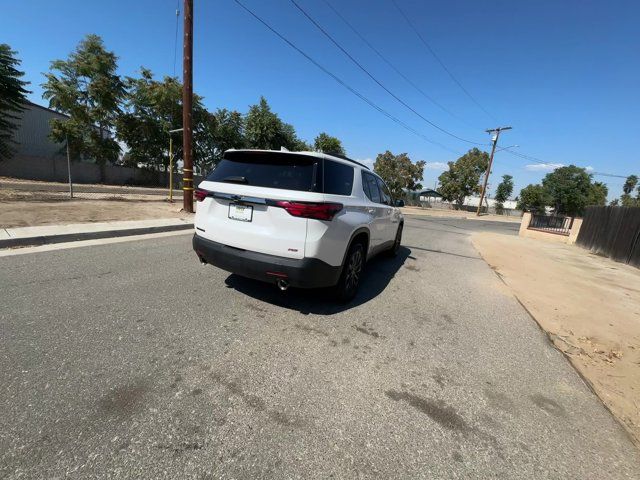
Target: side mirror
<point x="399" y="203"/>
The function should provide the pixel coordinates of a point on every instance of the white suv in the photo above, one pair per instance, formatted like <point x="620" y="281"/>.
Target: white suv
<point x="304" y="219"/>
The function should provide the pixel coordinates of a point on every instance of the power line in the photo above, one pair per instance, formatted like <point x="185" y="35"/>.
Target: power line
<point x="343" y="83"/>
<point x="527" y="157"/>
<point x="608" y="175"/>
<point x="442" y="64"/>
<point x="507" y="149"/>
<point x="543" y="162"/>
<point x="359" y="65"/>
<point x="393" y="67"/>
<point x="378" y="108"/>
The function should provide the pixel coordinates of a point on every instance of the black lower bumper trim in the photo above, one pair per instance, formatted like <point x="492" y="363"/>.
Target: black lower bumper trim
<point x="303" y="273"/>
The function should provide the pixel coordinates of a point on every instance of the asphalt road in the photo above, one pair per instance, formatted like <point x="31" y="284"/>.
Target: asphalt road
<point x="131" y="360"/>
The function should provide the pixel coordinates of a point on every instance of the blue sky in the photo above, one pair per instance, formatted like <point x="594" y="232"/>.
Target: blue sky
<point x="564" y="74"/>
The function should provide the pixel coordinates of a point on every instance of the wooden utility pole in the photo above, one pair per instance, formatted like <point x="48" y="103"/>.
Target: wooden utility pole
<point x="496" y="134"/>
<point x="187" y="100"/>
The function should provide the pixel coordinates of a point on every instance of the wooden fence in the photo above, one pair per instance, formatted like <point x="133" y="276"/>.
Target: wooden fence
<point x="613" y="232"/>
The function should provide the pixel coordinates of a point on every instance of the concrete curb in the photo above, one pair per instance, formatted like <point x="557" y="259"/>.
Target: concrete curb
<point x="73" y="237"/>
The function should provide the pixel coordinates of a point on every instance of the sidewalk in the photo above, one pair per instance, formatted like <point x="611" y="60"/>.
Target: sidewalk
<point x="588" y="305"/>
<point x="41" y="235"/>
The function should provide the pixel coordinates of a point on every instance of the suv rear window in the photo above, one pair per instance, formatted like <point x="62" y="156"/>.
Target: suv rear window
<point x="285" y="171"/>
<point x="338" y="178"/>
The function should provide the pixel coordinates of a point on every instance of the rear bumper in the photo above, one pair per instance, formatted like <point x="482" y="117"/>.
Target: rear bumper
<point x="303" y="273"/>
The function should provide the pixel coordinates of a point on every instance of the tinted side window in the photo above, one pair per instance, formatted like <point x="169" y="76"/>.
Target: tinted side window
<point x="365" y="186"/>
<point x="371" y="187"/>
<point x="338" y="178"/>
<point x="384" y="192"/>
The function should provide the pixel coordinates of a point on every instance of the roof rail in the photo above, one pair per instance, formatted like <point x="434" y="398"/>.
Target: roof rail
<point x="344" y="157"/>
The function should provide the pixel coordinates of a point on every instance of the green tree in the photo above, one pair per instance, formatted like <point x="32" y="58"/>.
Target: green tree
<point x="399" y="172"/>
<point x="263" y="126"/>
<point x="598" y="194"/>
<point x="504" y="191"/>
<point x="228" y="131"/>
<point x="626" y="199"/>
<point x="152" y="108"/>
<point x="630" y="184"/>
<point x="463" y="177"/>
<point x="570" y="190"/>
<point x="302" y="146"/>
<point x="289" y="139"/>
<point x="87" y="88"/>
<point x="327" y="144"/>
<point x="533" y="198"/>
<point x="265" y="130"/>
<point x="12" y="98"/>
<point x="217" y="132"/>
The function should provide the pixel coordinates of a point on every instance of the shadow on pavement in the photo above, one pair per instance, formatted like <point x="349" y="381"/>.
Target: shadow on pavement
<point x="378" y="273"/>
<point x="446" y="253"/>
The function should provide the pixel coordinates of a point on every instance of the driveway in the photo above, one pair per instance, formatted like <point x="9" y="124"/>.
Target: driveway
<point x="131" y="360"/>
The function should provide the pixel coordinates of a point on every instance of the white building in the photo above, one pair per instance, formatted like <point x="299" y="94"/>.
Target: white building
<point x="433" y="197"/>
<point x="474" y="201"/>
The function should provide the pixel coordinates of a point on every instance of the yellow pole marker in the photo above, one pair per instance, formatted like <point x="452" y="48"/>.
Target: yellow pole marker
<point x="185" y="181"/>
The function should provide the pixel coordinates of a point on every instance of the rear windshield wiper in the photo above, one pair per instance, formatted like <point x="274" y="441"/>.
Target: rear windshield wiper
<point x="235" y="179"/>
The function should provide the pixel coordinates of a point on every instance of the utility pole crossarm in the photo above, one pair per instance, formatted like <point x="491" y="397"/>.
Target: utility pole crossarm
<point x="496" y="134"/>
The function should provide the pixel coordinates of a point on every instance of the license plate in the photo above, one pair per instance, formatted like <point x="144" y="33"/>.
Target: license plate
<point x="243" y="213"/>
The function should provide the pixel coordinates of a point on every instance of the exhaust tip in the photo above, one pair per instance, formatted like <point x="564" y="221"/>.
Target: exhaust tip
<point x="282" y="284"/>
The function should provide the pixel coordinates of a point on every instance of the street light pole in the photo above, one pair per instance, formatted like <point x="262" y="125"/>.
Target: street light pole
<point x="496" y="134"/>
<point x="69" y="168"/>
<point x="171" y="162"/>
<point x="187" y="99"/>
<point x="170" y="169"/>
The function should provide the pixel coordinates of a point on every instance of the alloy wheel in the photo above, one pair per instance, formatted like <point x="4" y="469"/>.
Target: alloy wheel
<point x="354" y="268"/>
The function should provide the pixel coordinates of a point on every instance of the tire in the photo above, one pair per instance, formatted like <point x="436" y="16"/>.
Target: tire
<point x="393" y="251"/>
<point x="347" y="285"/>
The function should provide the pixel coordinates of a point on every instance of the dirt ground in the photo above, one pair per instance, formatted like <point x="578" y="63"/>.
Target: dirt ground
<point x="588" y="305"/>
<point x="23" y="210"/>
<point x="458" y="213"/>
<point x="36" y="184"/>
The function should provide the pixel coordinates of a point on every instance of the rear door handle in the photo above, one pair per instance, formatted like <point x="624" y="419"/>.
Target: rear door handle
<point x="371" y="210"/>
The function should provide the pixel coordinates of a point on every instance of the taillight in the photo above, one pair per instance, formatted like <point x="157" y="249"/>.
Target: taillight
<point x="200" y="194"/>
<point x="318" y="211"/>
